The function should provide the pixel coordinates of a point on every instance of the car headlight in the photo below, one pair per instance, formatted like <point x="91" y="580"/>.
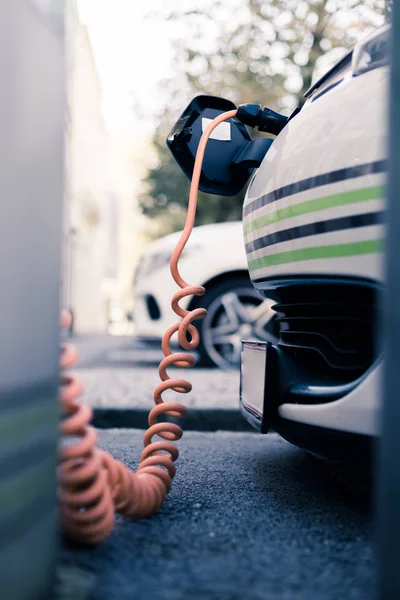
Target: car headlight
<point x="373" y="52"/>
<point x="157" y="261"/>
<point x="152" y="262"/>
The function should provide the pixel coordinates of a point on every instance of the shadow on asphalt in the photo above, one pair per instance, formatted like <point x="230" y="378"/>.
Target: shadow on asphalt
<point x="248" y="517"/>
<point x="331" y="482"/>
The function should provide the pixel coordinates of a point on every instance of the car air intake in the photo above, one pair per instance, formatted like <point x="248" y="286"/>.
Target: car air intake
<point x="329" y="329"/>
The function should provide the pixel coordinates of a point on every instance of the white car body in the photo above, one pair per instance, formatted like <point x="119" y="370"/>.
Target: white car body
<point x="214" y="257"/>
<point x="314" y="212"/>
<point x="212" y="250"/>
<point x="357" y="136"/>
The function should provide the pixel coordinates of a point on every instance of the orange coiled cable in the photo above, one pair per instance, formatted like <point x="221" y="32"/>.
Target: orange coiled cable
<point x="92" y="485"/>
<point x="86" y="507"/>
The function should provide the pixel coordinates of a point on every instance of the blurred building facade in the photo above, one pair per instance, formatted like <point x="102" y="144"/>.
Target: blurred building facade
<point x="101" y="239"/>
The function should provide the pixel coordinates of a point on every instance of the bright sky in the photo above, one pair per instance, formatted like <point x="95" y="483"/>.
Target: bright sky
<point x="132" y="54"/>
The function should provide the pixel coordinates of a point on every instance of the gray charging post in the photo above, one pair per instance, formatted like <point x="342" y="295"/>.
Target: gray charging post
<point x="388" y="480"/>
<point x="32" y="118"/>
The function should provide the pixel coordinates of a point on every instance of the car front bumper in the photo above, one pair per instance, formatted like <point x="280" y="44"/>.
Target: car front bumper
<point x="270" y="396"/>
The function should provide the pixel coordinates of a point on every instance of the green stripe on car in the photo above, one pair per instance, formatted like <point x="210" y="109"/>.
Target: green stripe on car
<point x="309" y="206"/>
<point x="332" y="251"/>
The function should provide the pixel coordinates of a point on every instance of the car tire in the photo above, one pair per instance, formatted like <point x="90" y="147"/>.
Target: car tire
<point x="233" y="313"/>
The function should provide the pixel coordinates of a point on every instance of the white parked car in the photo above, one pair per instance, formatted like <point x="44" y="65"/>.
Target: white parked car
<point x="214" y="257"/>
<point x="313" y="221"/>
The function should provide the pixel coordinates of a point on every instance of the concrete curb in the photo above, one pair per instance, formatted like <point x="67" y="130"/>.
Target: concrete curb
<point x="196" y="420"/>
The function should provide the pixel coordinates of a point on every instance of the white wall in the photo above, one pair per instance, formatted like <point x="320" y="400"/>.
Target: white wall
<point x="102" y="182"/>
<point x="88" y="181"/>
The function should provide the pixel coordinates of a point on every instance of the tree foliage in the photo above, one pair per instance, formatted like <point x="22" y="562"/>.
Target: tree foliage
<point x="252" y="51"/>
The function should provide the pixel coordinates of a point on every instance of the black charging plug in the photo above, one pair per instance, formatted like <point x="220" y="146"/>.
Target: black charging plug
<point x="266" y="120"/>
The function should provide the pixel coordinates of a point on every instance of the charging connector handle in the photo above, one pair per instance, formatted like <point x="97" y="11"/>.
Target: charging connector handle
<point x="266" y="120"/>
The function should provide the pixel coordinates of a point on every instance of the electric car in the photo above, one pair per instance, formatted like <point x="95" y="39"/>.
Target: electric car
<point x="313" y="221"/>
<point x="214" y="257"/>
<point x="313" y="224"/>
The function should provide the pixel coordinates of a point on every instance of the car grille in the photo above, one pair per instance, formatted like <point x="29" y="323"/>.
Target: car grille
<point x="329" y="329"/>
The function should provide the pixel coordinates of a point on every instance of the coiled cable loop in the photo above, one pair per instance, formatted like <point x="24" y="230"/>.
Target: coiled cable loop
<point x="92" y="485"/>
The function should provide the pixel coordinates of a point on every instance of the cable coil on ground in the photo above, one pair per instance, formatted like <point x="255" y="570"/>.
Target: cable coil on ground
<point x="92" y="485"/>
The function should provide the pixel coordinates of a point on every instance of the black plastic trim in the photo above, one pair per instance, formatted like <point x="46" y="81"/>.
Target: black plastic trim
<point x="302" y="393"/>
<point x="270" y="285"/>
<point x="327" y="325"/>
<point x="330" y="443"/>
<point x="346" y="60"/>
<point x="153" y="307"/>
<point x="327" y="89"/>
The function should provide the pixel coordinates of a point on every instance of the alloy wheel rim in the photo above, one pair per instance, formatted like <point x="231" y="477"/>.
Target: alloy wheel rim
<point x="238" y="314"/>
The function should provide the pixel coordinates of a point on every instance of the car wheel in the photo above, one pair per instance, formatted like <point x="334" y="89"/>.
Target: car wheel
<point x="235" y="311"/>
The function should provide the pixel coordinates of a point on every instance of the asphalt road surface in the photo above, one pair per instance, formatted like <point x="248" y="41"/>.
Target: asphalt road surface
<point x="248" y="517"/>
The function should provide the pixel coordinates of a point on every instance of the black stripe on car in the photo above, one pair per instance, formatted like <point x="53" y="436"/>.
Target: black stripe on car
<point x="372" y="168"/>
<point x="339" y="224"/>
